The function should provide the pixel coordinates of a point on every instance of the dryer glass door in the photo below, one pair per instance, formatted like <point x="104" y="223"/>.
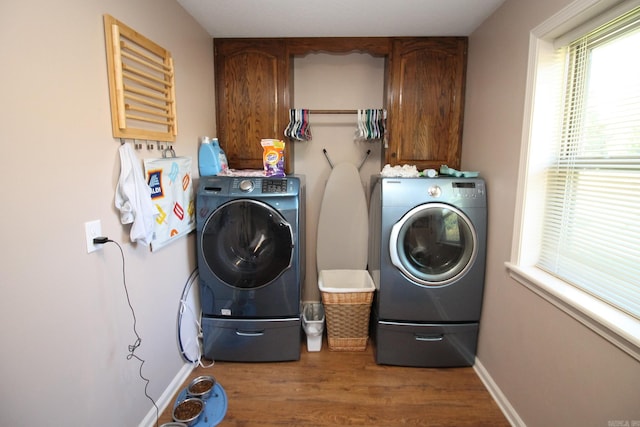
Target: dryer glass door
<point x="247" y="243"/>
<point x="433" y="244"/>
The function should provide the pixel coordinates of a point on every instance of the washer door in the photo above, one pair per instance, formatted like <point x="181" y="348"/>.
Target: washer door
<point x="247" y="244"/>
<point x="433" y="244"/>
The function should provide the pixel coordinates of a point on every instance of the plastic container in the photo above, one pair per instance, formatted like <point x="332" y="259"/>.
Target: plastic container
<point x="313" y="325"/>
<point x="222" y="157"/>
<point x="347" y="297"/>
<point x="209" y="157"/>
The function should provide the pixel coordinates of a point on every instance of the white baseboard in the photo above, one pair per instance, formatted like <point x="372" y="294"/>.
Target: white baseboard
<point x="167" y="396"/>
<point x="502" y="401"/>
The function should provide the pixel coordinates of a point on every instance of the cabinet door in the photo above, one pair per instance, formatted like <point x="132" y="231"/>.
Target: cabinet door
<point x="426" y="101"/>
<point x="252" y="100"/>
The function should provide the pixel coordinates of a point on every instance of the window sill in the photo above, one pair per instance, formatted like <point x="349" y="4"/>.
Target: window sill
<point x="617" y="327"/>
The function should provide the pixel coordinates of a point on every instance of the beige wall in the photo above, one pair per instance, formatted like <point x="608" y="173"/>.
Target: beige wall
<point x="334" y="82"/>
<point x="65" y="321"/>
<point x="552" y="370"/>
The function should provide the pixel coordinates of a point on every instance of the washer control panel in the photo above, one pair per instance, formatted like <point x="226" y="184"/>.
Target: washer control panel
<point x="254" y="186"/>
<point x="274" y="186"/>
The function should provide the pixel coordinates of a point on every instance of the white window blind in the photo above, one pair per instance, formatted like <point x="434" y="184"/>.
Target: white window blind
<point x="591" y="231"/>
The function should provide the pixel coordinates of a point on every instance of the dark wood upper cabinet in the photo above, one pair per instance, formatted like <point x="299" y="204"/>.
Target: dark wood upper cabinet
<point x="424" y="95"/>
<point x="252" y="98"/>
<point x="426" y="101"/>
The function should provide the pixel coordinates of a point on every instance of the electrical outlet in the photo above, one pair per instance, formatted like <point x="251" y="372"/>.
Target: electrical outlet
<point x="92" y="230"/>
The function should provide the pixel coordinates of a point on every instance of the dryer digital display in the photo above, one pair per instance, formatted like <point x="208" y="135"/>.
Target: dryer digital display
<point x="459" y="184"/>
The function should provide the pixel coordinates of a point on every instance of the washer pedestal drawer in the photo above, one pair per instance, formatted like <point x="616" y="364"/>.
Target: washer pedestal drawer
<point x="425" y="345"/>
<point x="251" y="340"/>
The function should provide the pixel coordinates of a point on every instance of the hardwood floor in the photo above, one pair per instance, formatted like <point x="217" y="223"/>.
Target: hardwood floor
<point x="348" y="388"/>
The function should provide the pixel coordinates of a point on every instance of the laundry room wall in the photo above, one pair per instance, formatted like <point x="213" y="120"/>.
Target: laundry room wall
<point x="333" y="82"/>
<point x="548" y="369"/>
<point x="66" y="324"/>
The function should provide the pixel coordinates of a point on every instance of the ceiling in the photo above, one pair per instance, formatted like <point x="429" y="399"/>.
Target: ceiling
<point x="339" y="18"/>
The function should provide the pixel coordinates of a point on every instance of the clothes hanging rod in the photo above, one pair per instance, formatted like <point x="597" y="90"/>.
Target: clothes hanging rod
<point x="333" y="111"/>
<point x="336" y="111"/>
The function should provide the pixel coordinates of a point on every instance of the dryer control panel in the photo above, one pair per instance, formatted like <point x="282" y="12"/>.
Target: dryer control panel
<point x="469" y="192"/>
<point x="468" y="189"/>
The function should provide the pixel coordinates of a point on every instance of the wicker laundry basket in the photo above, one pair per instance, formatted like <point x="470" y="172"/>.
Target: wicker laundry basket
<point x="347" y="297"/>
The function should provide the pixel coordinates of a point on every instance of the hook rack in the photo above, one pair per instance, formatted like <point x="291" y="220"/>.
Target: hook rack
<point x="326" y="154"/>
<point x="168" y="151"/>
<point x="138" y="145"/>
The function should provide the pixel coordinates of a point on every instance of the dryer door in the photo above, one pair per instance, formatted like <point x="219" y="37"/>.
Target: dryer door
<point x="433" y="244"/>
<point x="247" y="243"/>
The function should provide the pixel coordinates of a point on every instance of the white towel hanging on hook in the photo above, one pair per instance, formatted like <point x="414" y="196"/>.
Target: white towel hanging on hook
<point x="133" y="197"/>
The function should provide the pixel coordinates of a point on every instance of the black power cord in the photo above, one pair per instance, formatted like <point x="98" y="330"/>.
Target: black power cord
<point x="132" y="347"/>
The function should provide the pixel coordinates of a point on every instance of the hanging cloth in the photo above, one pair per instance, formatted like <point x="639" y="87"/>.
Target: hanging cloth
<point x="133" y="198"/>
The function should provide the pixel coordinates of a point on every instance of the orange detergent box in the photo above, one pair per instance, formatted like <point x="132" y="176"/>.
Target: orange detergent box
<point x="273" y="157"/>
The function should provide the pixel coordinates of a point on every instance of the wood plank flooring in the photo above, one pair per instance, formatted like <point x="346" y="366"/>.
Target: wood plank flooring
<point x="348" y="388"/>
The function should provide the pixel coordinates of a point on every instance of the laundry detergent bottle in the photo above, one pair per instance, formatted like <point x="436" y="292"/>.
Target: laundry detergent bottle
<point x="224" y="164"/>
<point x="209" y="157"/>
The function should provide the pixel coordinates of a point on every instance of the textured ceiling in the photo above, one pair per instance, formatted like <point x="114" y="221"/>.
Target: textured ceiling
<point x="339" y="18"/>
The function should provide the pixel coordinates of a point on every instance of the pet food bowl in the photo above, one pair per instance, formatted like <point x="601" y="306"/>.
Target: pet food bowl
<point x="188" y="411"/>
<point x="201" y="387"/>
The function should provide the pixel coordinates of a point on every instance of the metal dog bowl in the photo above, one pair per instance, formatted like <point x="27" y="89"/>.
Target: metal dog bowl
<point x="188" y="411"/>
<point x="201" y="387"/>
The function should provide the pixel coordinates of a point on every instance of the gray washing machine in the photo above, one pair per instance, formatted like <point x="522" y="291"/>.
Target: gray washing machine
<point x="251" y="263"/>
<point x="427" y="259"/>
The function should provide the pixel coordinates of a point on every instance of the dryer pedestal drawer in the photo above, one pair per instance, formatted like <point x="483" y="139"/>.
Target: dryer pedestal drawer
<point x="425" y="345"/>
<point x="251" y="340"/>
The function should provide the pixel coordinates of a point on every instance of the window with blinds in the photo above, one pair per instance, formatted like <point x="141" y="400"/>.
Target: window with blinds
<point x="591" y="224"/>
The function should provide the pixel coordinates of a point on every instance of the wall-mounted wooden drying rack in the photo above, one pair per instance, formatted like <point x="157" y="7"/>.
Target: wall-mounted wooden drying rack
<point x="141" y="85"/>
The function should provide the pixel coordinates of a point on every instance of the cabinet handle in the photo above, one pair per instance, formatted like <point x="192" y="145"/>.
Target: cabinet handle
<point x="393" y="155"/>
<point x="249" y="334"/>
<point x="429" y="337"/>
